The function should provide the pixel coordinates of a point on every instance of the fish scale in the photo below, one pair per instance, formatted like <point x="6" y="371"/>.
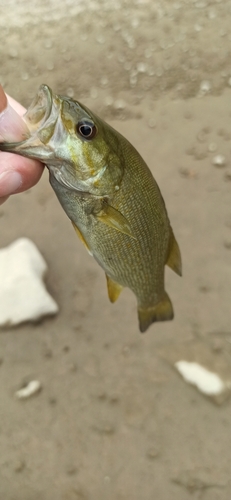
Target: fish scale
<point x="109" y="194"/>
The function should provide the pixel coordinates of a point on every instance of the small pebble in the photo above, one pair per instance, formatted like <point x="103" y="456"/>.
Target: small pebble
<point x="50" y="65"/>
<point x="109" y="100"/>
<point x="67" y="57"/>
<point x="13" y="53"/>
<point x="32" y="388"/>
<point x="70" y="92"/>
<point x="135" y="23"/>
<point x="100" y="39"/>
<point x="141" y="67"/>
<point x="148" y="53"/>
<point x="119" y="104"/>
<point x="188" y="173"/>
<point x="133" y="80"/>
<point x="212" y="14"/>
<point x="205" y="87"/>
<point x="152" y="123"/>
<point x="201" y="136"/>
<point x="151" y="71"/>
<point x="24" y="76"/>
<point x="212" y="147"/>
<point x="127" y="65"/>
<point x="219" y="161"/>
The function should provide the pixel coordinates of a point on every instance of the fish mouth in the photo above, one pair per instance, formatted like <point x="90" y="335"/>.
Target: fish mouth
<point x="40" y="118"/>
<point x="40" y="108"/>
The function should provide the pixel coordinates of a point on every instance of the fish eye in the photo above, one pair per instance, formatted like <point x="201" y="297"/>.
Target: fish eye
<point x="86" y="129"/>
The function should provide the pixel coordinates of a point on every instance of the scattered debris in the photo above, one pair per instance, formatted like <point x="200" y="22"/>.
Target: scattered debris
<point x="23" y="296"/>
<point x="219" y="161"/>
<point x="189" y="173"/>
<point x="32" y="388"/>
<point x="207" y="382"/>
<point x="204" y="363"/>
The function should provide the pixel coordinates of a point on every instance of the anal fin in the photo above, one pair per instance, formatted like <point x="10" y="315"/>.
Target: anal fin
<point x="81" y="237"/>
<point x="163" y="311"/>
<point x="114" y="289"/>
<point x="174" y="256"/>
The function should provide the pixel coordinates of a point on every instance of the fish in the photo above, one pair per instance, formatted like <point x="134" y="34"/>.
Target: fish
<point x="110" y="196"/>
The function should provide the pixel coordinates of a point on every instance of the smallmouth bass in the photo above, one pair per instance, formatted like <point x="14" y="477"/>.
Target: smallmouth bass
<point x="110" y="196"/>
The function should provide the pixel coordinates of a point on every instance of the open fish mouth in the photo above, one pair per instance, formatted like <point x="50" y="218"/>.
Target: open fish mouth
<point x="40" y="108"/>
<point x="40" y="118"/>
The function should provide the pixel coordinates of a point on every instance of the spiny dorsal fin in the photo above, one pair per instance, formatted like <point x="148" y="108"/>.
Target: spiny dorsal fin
<point x="81" y="237"/>
<point x="110" y="216"/>
<point x="174" y="256"/>
<point x="114" y="289"/>
<point x="163" y="311"/>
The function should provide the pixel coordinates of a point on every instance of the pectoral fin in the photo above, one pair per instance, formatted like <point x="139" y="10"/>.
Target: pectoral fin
<point x="163" y="311"/>
<point x="111" y="217"/>
<point x="78" y="232"/>
<point x="113" y="288"/>
<point x="174" y="256"/>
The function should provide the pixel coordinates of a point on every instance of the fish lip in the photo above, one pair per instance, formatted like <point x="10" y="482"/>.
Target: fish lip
<point x="40" y="112"/>
<point x="40" y="108"/>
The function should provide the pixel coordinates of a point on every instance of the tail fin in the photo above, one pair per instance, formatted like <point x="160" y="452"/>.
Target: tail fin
<point x="163" y="311"/>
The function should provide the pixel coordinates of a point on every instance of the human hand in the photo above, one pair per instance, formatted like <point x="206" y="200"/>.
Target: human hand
<point x="16" y="173"/>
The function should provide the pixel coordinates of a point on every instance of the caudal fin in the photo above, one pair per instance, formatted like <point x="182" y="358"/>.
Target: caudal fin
<point x="163" y="311"/>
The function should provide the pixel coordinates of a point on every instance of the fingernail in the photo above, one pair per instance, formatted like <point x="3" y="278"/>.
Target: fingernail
<point x="10" y="182"/>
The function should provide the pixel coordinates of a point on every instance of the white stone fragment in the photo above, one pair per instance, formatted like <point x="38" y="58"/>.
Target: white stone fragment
<point x="205" y="87"/>
<point x="207" y="382"/>
<point x="119" y="104"/>
<point x="23" y="296"/>
<point x="32" y="388"/>
<point x="219" y="161"/>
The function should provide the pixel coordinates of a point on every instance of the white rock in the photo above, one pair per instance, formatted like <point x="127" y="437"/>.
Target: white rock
<point x="219" y="161"/>
<point x="206" y="381"/>
<point x="32" y="388"/>
<point x="23" y="296"/>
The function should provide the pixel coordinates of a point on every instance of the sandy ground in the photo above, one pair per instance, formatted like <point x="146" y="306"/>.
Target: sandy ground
<point x="114" y="420"/>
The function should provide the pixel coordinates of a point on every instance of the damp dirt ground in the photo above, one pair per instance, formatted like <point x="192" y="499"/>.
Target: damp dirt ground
<point x="114" y="420"/>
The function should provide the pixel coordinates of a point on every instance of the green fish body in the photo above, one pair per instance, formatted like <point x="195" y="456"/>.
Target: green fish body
<point x="110" y="196"/>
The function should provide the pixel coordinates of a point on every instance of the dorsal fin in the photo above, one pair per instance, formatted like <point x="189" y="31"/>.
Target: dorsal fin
<point x="174" y="256"/>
